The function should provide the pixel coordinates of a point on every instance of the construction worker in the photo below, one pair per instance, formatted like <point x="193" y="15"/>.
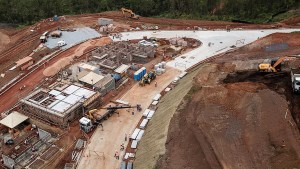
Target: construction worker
<point x="155" y="83"/>
<point x="101" y="126"/>
<point x="122" y="147"/>
<point x="117" y="155"/>
<point x="125" y="137"/>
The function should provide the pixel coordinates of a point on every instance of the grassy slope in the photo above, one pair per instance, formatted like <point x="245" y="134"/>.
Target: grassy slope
<point x="152" y="145"/>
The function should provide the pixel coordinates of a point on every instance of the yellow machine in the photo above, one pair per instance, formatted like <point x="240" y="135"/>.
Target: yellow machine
<point x="274" y="66"/>
<point x="143" y="81"/>
<point x="132" y="15"/>
<point x="147" y="78"/>
<point x="90" y="114"/>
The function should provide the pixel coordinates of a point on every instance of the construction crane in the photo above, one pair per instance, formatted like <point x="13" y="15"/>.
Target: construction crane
<point x="92" y="119"/>
<point x="275" y="64"/>
<point x="132" y="15"/>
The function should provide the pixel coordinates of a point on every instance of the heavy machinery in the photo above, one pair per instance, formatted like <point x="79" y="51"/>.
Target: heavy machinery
<point x="275" y="65"/>
<point x="94" y="117"/>
<point x="295" y="75"/>
<point x="147" y="78"/>
<point x="132" y="15"/>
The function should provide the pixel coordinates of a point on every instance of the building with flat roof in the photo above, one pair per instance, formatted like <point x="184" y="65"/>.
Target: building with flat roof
<point x="59" y="105"/>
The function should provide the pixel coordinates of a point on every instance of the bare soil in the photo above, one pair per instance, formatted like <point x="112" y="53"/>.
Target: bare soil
<point x="242" y="121"/>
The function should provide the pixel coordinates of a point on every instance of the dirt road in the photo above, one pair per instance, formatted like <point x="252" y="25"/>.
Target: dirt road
<point x="103" y="144"/>
<point x="4" y="40"/>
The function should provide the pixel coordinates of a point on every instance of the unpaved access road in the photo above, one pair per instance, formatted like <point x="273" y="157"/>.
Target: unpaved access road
<point x="103" y="144"/>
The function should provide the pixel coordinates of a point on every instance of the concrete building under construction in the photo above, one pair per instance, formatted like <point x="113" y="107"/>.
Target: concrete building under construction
<point x="60" y="104"/>
<point x="113" y="55"/>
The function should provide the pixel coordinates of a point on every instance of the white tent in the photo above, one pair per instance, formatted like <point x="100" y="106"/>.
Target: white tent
<point x="13" y="119"/>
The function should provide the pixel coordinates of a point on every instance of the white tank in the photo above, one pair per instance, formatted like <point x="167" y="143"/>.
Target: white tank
<point x="163" y="70"/>
<point x="156" y="67"/>
<point x="160" y="65"/>
<point x="158" y="71"/>
<point x="164" y="64"/>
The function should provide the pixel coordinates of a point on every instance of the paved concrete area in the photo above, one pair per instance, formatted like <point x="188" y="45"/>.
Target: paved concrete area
<point x="72" y="38"/>
<point x="220" y="42"/>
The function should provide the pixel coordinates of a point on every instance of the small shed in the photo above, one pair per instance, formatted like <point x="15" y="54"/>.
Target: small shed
<point x="104" y="21"/>
<point x="91" y="78"/>
<point x="13" y="119"/>
<point x="85" y="66"/>
<point x="56" y="34"/>
<point x="24" y="63"/>
<point x="43" y="39"/>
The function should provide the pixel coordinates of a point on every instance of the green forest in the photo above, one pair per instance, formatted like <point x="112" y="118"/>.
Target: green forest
<point x="256" y="11"/>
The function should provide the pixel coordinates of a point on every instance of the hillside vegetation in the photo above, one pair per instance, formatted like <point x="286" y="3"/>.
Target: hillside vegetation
<point x="29" y="11"/>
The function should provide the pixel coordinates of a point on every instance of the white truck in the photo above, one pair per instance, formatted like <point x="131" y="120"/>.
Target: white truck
<point x="61" y="43"/>
<point x="295" y="75"/>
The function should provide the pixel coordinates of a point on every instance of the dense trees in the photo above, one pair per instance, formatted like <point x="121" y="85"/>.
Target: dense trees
<point x="29" y="11"/>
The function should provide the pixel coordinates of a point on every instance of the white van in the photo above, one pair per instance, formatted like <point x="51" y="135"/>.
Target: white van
<point x="61" y="43"/>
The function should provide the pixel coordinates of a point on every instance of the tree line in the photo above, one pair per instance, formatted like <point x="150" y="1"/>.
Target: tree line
<point x="30" y="11"/>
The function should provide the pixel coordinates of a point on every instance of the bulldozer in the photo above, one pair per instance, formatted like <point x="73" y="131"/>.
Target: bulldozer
<point x="274" y="65"/>
<point x="132" y="15"/>
<point x="147" y="78"/>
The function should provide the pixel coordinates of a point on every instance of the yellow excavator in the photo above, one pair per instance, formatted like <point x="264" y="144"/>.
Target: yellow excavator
<point x="132" y="15"/>
<point x="274" y="66"/>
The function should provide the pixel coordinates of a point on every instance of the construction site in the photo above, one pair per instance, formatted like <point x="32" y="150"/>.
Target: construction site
<point x="118" y="90"/>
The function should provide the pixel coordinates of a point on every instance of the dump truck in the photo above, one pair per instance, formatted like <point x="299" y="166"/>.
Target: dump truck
<point x="295" y="76"/>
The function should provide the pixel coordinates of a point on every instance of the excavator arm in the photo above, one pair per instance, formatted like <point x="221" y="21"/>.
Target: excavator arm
<point x="280" y="60"/>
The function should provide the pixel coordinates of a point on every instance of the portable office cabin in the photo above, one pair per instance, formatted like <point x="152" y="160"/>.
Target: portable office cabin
<point x="104" y="21"/>
<point x="139" y="74"/>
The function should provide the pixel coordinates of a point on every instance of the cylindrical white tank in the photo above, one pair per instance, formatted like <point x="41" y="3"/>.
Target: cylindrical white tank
<point x="160" y="65"/>
<point x="164" y="64"/>
<point x="158" y="71"/>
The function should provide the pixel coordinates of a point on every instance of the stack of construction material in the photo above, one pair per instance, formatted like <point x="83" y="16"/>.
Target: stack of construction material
<point x="160" y="68"/>
<point x="178" y="41"/>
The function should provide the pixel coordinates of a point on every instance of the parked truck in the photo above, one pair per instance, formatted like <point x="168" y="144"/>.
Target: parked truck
<point x="295" y="75"/>
<point x="92" y="119"/>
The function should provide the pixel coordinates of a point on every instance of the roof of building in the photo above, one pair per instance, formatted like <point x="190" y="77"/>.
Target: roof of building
<point x="13" y="119"/>
<point x="24" y="60"/>
<point x="58" y="102"/>
<point x="82" y="73"/>
<point x="91" y="78"/>
<point x="104" y="81"/>
<point x="87" y="66"/>
<point x="121" y="69"/>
